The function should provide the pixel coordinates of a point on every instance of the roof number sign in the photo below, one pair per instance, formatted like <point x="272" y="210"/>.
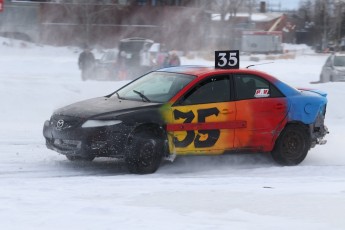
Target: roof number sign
<point x="229" y="59"/>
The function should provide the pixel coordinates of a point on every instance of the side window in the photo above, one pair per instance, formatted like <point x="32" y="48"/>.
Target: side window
<point x="251" y="87"/>
<point x="214" y="89"/>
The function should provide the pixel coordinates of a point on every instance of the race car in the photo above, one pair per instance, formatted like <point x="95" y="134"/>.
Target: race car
<point x="192" y="110"/>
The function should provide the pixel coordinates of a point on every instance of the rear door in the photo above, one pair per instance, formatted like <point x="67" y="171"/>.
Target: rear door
<point x="263" y="107"/>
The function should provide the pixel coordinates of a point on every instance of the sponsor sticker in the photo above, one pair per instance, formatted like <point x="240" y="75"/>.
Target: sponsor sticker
<point x="262" y="93"/>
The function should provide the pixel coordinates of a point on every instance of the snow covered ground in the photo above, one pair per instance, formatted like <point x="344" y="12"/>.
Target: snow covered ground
<point x="40" y="189"/>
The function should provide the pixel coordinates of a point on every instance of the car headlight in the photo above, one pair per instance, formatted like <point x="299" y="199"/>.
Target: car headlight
<point x="99" y="123"/>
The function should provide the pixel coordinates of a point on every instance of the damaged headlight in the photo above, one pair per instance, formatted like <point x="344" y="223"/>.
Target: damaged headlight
<point x="99" y="123"/>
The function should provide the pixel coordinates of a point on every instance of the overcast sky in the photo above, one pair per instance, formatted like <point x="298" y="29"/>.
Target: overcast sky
<point x="285" y="4"/>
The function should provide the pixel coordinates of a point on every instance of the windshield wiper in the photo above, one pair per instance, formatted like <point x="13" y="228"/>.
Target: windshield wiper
<point x="143" y="97"/>
<point x="118" y="95"/>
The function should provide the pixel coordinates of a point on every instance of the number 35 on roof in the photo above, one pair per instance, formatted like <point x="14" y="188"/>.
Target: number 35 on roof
<point x="228" y="59"/>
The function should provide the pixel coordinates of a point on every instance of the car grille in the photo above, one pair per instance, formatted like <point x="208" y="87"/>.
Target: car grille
<point x="64" y="122"/>
<point x="67" y="144"/>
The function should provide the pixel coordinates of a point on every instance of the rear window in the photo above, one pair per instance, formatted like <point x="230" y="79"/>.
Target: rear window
<point x="252" y="87"/>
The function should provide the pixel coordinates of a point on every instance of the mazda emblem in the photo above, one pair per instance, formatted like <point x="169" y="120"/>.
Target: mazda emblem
<point x="59" y="124"/>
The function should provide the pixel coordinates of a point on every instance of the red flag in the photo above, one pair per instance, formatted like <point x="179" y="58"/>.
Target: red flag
<point x="1" y="5"/>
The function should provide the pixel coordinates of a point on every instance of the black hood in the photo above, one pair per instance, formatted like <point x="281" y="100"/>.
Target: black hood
<point x="102" y="105"/>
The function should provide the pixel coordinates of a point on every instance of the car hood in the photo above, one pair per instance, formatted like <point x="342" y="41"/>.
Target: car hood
<point x="102" y="105"/>
<point x="340" y="68"/>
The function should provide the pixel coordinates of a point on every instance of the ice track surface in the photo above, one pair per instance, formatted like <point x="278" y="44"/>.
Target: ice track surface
<point x="40" y="189"/>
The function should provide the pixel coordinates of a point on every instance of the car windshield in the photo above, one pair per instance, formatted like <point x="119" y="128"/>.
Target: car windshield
<point x="339" y="61"/>
<point x="154" y="87"/>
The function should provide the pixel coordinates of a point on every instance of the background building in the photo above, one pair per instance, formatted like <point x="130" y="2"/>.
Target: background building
<point x="180" y="24"/>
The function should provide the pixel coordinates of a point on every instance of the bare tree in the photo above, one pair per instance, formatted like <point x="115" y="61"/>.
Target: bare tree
<point x="84" y="14"/>
<point x="330" y="15"/>
<point x="338" y="25"/>
<point x="228" y="10"/>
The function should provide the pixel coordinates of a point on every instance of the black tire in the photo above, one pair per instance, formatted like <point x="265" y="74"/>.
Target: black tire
<point x="144" y="154"/>
<point x="292" y="146"/>
<point x="80" y="158"/>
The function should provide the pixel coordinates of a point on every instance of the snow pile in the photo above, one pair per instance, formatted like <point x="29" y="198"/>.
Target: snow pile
<point x="299" y="49"/>
<point x="40" y="189"/>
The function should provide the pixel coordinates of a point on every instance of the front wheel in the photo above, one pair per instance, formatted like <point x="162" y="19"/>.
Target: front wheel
<point x="292" y="145"/>
<point x="144" y="154"/>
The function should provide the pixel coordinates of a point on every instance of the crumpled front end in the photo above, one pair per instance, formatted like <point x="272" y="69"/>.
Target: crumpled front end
<point x="66" y="135"/>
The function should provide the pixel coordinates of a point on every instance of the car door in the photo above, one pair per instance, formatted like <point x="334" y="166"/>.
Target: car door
<point x="203" y="119"/>
<point x="263" y="107"/>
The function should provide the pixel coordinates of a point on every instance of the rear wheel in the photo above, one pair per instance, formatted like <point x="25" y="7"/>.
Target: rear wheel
<point x="292" y="145"/>
<point x="144" y="153"/>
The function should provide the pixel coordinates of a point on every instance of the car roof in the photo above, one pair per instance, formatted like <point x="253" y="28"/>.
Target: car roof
<point x="200" y="71"/>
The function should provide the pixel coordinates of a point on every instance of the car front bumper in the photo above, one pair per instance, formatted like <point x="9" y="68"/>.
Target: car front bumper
<point x="109" y="141"/>
<point x="338" y="76"/>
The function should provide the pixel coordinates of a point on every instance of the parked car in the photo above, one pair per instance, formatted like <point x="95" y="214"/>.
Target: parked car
<point x="127" y="62"/>
<point x="106" y="66"/>
<point x="131" y="54"/>
<point x="191" y="110"/>
<point x="334" y="68"/>
<point x="133" y="58"/>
